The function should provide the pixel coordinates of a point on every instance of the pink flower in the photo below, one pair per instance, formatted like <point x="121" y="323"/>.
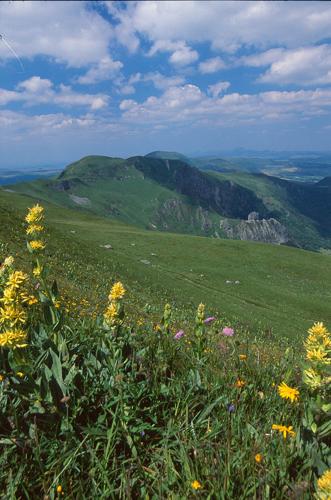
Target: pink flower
<point x="179" y="335"/>
<point x="228" y="332"/>
<point x="209" y="320"/>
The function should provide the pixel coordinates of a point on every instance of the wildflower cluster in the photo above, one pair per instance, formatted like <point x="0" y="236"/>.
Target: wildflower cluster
<point x="35" y="221"/>
<point x="318" y="356"/>
<point x="324" y="486"/>
<point x="114" y="312"/>
<point x="167" y="313"/>
<point x="200" y="314"/>
<point x="13" y="315"/>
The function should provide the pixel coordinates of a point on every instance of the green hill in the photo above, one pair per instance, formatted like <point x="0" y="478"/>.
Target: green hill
<point x="304" y="208"/>
<point x="169" y="155"/>
<point x="158" y="193"/>
<point x="148" y="192"/>
<point x="279" y="289"/>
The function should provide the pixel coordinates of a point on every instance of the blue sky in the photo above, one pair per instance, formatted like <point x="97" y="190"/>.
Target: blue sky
<point x="120" y="79"/>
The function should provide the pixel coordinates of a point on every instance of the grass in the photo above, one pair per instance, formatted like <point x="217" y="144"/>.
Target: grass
<point x="282" y="290"/>
<point x="117" y="407"/>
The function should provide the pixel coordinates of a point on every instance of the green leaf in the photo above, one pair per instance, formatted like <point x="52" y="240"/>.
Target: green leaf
<point x="57" y="372"/>
<point x="314" y="427"/>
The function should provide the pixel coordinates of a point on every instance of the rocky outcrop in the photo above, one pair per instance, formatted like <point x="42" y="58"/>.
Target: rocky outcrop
<point x="265" y="230"/>
<point x="174" y="212"/>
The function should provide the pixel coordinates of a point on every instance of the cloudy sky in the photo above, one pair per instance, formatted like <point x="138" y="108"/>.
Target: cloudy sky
<point x="119" y="78"/>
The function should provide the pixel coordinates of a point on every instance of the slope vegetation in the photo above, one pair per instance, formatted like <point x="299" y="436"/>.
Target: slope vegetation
<point x="277" y="289"/>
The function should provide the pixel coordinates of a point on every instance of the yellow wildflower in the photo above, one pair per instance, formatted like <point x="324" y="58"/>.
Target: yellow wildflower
<point x="59" y="490"/>
<point x="318" y="330"/>
<point x="324" y="486"/>
<point x="20" y="374"/>
<point x="37" y="271"/>
<point x="34" y="228"/>
<point x="240" y="383"/>
<point x="8" y="262"/>
<point x="258" y="458"/>
<point x="16" y="278"/>
<point x="2" y="378"/>
<point x="9" y="295"/>
<point x="37" y="245"/>
<point x="319" y="354"/>
<point x="111" y="313"/>
<point x="13" y="339"/>
<point x="287" y="392"/>
<point x="242" y="357"/>
<point x="13" y="315"/>
<point x="117" y="291"/>
<point x="35" y="214"/>
<point x="284" y="430"/>
<point x="28" y="299"/>
<point x="201" y="312"/>
<point x="196" y="485"/>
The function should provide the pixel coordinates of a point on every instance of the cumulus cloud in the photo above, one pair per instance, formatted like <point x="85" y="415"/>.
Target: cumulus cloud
<point x="211" y="65"/>
<point x="160" y="81"/>
<point x="68" y="32"/>
<point x="182" y="54"/>
<point x="187" y="104"/>
<point x="218" y="88"/>
<point x="106" y="69"/>
<point x="226" y="25"/>
<point x="305" y="66"/>
<point x="35" y="84"/>
<point x="36" y="90"/>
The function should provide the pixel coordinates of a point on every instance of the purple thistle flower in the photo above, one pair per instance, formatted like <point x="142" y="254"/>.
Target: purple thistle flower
<point x="231" y="408"/>
<point x="209" y="320"/>
<point x="179" y="335"/>
<point x="228" y="332"/>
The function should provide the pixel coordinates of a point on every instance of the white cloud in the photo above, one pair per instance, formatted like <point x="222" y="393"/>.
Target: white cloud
<point x="35" y="84"/>
<point x="163" y="82"/>
<point x="226" y="25"/>
<point x="37" y="90"/>
<point x="218" y="88"/>
<point x="106" y="69"/>
<point x="305" y="66"/>
<point x="188" y="105"/>
<point x="65" y="31"/>
<point x="211" y="65"/>
<point x="160" y="81"/>
<point x="183" y="56"/>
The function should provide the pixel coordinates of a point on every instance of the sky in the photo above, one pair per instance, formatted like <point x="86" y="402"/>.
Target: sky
<point x="127" y="78"/>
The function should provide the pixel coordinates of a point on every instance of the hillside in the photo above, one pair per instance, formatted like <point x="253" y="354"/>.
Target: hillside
<point x="148" y="192"/>
<point x="170" y="195"/>
<point x="303" y="208"/>
<point x="257" y="284"/>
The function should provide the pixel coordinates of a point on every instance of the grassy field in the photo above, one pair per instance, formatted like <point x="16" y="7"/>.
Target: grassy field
<point x="281" y="290"/>
<point x="122" y="396"/>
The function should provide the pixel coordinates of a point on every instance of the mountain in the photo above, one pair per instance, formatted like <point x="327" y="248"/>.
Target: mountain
<point x="169" y="155"/>
<point x="172" y="195"/>
<point x="148" y="192"/>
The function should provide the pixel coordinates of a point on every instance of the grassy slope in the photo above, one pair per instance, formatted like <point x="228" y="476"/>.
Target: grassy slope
<point x="276" y="199"/>
<point x="128" y="195"/>
<point x="280" y="288"/>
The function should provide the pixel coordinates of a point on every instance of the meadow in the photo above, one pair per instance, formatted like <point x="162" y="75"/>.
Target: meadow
<point x="122" y="379"/>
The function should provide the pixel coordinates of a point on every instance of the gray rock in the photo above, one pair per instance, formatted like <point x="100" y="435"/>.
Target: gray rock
<point x="265" y="230"/>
